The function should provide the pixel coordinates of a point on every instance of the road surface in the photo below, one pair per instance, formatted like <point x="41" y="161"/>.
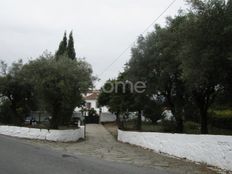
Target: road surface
<point x="100" y="144"/>
<point x="18" y="157"/>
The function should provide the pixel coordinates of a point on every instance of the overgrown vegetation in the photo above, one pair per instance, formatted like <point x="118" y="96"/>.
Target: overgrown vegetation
<point x="186" y="65"/>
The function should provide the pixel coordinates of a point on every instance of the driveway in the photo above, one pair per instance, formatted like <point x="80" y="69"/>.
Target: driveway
<point x="100" y="144"/>
<point x="17" y="157"/>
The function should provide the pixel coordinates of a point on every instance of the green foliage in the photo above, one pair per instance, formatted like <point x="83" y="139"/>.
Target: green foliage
<point x="59" y="85"/>
<point x="223" y="113"/>
<point x="70" y="49"/>
<point x="168" y="126"/>
<point x="155" y="60"/>
<point x="191" y="126"/>
<point x="92" y="112"/>
<point x="117" y="100"/>
<point x="204" y="56"/>
<point x="6" y="114"/>
<point x="153" y="111"/>
<point x="66" y="48"/>
<point x="18" y="93"/>
<point x="221" y="119"/>
<point x="62" y="47"/>
<point x="185" y="64"/>
<point x="105" y="97"/>
<point x="51" y="83"/>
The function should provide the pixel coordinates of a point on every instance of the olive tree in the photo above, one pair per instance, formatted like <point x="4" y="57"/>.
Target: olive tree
<point x="59" y="85"/>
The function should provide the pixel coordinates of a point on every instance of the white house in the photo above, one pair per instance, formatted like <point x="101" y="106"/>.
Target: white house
<point x="91" y="102"/>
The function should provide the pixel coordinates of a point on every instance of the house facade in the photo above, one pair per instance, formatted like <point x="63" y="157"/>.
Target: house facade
<point x="91" y="102"/>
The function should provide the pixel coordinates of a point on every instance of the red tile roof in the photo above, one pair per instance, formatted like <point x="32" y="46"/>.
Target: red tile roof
<point x="92" y="96"/>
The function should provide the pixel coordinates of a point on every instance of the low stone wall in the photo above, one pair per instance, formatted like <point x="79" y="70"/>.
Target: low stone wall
<point x="213" y="150"/>
<point x="43" y="134"/>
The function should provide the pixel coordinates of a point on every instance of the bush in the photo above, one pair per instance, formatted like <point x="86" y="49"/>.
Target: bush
<point x="92" y="112"/>
<point x="192" y="127"/>
<point x="168" y="126"/>
<point x="221" y="119"/>
<point x="6" y="115"/>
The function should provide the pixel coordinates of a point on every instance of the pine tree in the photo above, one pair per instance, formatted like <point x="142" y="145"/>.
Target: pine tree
<point x="70" y="49"/>
<point x="62" y="47"/>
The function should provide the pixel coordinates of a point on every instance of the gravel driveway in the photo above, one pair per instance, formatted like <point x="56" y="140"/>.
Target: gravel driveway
<point x="100" y="143"/>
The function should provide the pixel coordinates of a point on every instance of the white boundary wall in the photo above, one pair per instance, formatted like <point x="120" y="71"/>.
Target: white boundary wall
<point x="213" y="150"/>
<point x="43" y="134"/>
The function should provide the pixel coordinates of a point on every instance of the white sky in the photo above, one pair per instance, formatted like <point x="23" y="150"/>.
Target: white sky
<point x="102" y="28"/>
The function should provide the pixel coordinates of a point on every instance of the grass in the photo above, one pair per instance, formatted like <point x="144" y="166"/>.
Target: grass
<point x="151" y="128"/>
<point x="146" y="127"/>
<point x="194" y="128"/>
<point x="223" y="113"/>
<point x="189" y="128"/>
<point x="220" y="123"/>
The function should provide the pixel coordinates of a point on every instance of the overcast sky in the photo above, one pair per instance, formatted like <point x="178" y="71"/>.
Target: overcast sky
<point x="102" y="28"/>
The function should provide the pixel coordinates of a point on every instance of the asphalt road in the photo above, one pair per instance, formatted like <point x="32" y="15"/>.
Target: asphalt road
<point x="18" y="157"/>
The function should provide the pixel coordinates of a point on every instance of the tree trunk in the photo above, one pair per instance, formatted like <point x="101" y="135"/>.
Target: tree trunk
<point x="180" y="124"/>
<point x="179" y="118"/>
<point x="117" y="119"/>
<point x="66" y="117"/>
<point x="176" y="113"/>
<point x="55" y="120"/>
<point x="203" y="102"/>
<point x="54" y="123"/>
<point x="204" y="120"/>
<point x="139" y="121"/>
<point x="179" y="121"/>
<point x="17" y="119"/>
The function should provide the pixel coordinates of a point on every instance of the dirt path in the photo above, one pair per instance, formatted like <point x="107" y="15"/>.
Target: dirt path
<point x="101" y="144"/>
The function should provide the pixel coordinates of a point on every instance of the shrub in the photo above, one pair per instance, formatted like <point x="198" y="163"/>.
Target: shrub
<point x="6" y="115"/>
<point x="168" y="126"/>
<point x="192" y="127"/>
<point x="221" y="119"/>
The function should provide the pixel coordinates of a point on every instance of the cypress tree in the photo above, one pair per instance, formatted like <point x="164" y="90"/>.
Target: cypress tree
<point x="70" y="49"/>
<point x="62" y="47"/>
